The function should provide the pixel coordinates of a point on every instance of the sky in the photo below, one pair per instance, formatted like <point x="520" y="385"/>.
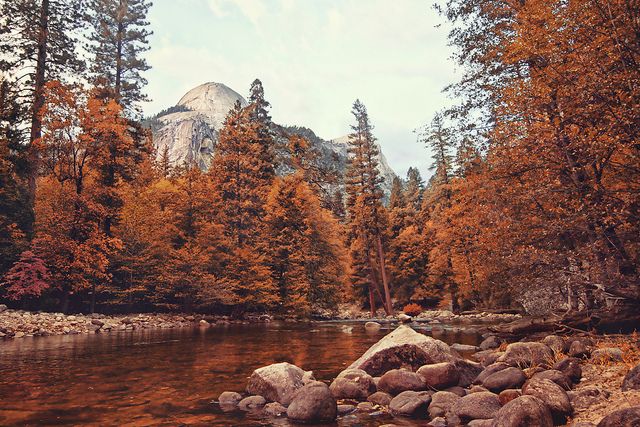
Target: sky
<point x="314" y="58"/>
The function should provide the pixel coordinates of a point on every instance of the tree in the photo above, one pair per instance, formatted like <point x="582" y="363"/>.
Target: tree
<point x="304" y="251"/>
<point x="437" y="137"/>
<point x="38" y="44"/>
<point x="16" y="214"/>
<point x="28" y="277"/>
<point x="241" y="175"/>
<point x="364" y="206"/>
<point x="119" y="38"/>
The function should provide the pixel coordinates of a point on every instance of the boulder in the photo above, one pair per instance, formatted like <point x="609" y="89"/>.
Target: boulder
<point x="229" y="398"/>
<point x="628" y="417"/>
<point x="527" y="354"/>
<point x="609" y="354"/>
<point x="486" y="357"/>
<point x="490" y="370"/>
<point x="403" y="347"/>
<point x="274" y="409"/>
<point x="380" y="398"/>
<point x="404" y="318"/>
<point x="523" y="411"/>
<point x="252" y="402"/>
<point x="556" y="376"/>
<point x="570" y="367"/>
<point x="503" y="379"/>
<point x="313" y="403"/>
<point x="441" y="403"/>
<point x="464" y="348"/>
<point x="460" y="391"/>
<point x="352" y="384"/>
<point x="579" y="349"/>
<point x="277" y="382"/>
<point x="587" y="396"/>
<point x="632" y="380"/>
<point x="372" y="326"/>
<point x="507" y="396"/>
<point x="555" y="343"/>
<point x="490" y="342"/>
<point x="410" y="404"/>
<point x="436" y="422"/>
<point x="468" y="371"/>
<point x="474" y="406"/>
<point x="398" y="380"/>
<point x="439" y="375"/>
<point x="552" y="395"/>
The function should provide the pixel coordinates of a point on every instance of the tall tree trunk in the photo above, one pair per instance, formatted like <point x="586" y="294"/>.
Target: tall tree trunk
<point x="122" y="10"/>
<point x="38" y="97"/>
<point x="93" y="298"/>
<point x="372" y="302"/>
<point x="385" y="282"/>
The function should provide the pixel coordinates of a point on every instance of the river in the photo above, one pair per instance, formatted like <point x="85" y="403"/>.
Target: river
<point x="170" y="377"/>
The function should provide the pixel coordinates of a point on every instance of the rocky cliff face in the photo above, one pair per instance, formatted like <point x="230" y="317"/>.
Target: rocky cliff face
<point x="188" y="131"/>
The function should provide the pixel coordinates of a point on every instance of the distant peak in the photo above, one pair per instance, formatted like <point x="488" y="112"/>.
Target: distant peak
<point x="211" y="97"/>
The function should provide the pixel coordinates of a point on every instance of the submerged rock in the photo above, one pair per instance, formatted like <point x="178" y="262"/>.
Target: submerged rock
<point x="277" y="382"/>
<point x="403" y="348"/>
<point x="229" y="398"/>
<point x="274" y="409"/>
<point x="252" y="402"/>
<point x="372" y="326"/>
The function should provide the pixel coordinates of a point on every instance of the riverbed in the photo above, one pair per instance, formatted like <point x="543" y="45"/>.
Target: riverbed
<point x="171" y="377"/>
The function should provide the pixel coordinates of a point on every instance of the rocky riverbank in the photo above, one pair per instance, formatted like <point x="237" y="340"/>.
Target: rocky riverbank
<point x="579" y="381"/>
<point x="20" y="323"/>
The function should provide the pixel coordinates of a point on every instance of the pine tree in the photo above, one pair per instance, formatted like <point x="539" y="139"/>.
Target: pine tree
<point x="38" y="45"/>
<point x="241" y="175"/>
<point x="119" y="39"/>
<point x="365" y="210"/>
<point x="438" y="139"/>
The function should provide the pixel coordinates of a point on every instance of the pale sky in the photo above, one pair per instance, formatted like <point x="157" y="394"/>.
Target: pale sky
<point x="314" y="57"/>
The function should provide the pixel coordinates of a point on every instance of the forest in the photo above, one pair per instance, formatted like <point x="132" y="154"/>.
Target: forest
<point x="533" y="202"/>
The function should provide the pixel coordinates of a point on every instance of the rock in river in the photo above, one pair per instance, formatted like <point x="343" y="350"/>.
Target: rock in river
<point x="406" y="348"/>
<point x="277" y="382"/>
<point x="410" y="404"/>
<point x="398" y="380"/>
<point x="352" y="384"/>
<point x="439" y="375"/>
<point x="313" y="403"/>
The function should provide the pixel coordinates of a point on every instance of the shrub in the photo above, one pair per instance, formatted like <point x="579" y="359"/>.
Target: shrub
<point x="412" y="309"/>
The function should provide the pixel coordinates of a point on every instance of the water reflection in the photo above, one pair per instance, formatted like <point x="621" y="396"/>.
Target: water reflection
<point x="168" y="376"/>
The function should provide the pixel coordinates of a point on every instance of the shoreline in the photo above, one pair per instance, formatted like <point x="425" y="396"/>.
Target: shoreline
<point x="23" y="323"/>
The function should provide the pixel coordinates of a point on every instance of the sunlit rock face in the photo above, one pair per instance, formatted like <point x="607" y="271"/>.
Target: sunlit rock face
<point x="188" y="132"/>
<point x="190" y="129"/>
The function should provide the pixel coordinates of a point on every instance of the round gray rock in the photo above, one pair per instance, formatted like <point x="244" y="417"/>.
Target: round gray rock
<point x="523" y="411"/>
<point x="398" y="380"/>
<point x="527" y="354"/>
<point x="554" y="396"/>
<point x="410" y="404"/>
<point x="352" y="384"/>
<point x="313" y="403"/>
<point x="441" y="403"/>
<point x="504" y="379"/>
<point x="277" y="382"/>
<point x="439" y="375"/>
<point x="483" y="405"/>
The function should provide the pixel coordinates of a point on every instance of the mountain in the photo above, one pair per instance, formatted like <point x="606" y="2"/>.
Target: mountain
<point x="189" y="131"/>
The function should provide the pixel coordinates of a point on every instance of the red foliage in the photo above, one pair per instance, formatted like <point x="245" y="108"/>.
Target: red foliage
<point x="28" y="277"/>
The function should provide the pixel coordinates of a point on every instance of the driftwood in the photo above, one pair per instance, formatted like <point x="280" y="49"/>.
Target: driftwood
<point x="617" y="319"/>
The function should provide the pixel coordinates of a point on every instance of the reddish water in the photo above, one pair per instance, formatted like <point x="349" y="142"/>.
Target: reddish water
<point x="168" y="377"/>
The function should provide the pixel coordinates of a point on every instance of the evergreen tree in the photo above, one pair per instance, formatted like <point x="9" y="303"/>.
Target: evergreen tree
<point x="365" y="210"/>
<point x="241" y="175"/>
<point x="119" y="38"/>
<point x="38" y="44"/>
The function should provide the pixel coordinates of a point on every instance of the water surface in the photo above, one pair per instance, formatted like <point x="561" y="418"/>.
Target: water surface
<point x="170" y="377"/>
